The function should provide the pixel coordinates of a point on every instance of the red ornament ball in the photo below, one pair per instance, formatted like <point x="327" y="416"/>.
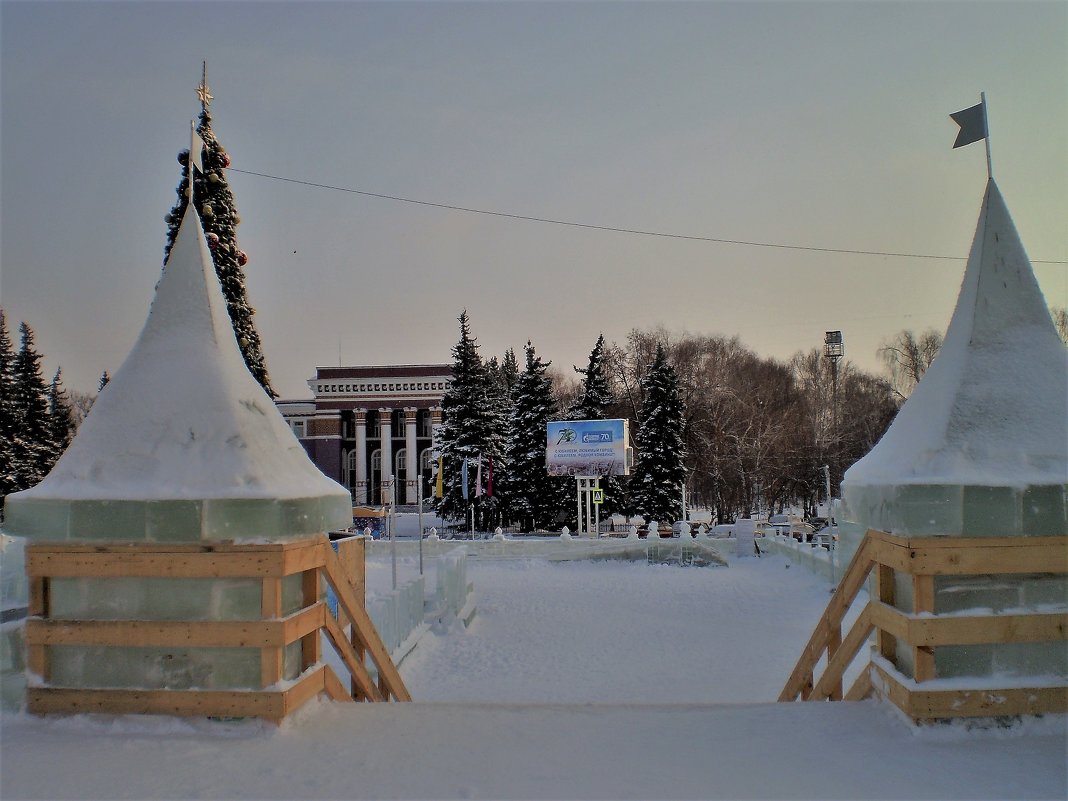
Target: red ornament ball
<point x="224" y="157"/>
<point x="213" y="240"/>
<point x="242" y="258"/>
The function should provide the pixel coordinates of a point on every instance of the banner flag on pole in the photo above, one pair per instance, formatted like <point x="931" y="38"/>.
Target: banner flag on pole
<point x="972" y="122"/>
<point x="478" y="478"/>
<point x="463" y="479"/>
<point x="439" y="481"/>
<point x="489" y="479"/>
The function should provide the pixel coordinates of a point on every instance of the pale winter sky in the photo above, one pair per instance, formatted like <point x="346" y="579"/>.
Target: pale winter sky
<point x="813" y="124"/>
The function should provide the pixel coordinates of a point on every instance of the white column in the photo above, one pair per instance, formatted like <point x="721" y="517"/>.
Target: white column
<point x="412" y="476"/>
<point x="386" y="428"/>
<point x="361" y="456"/>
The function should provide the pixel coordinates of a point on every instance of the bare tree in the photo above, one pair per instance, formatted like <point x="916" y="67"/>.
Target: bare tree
<point x="907" y="357"/>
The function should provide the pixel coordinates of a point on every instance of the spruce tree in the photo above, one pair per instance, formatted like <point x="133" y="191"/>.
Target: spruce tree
<point x="594" y="404"/>
<point x="535" y="498"/>
<point x="468" y="428"/>
<point x="502" y="376"/>
<point x="34" y="448"/>
<point x="218" y="216"/>
<point x="60" y="414"/>
<point x="9" y="480"/>
<point x="659" y="472"/>
<point x="596" y="395"/>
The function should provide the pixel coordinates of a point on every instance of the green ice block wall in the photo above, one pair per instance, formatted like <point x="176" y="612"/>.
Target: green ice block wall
<point x="170" y="521"/>
<point x="921" y="510"/>
<point x="970" y="511"/>
<point x="190" y="599"/>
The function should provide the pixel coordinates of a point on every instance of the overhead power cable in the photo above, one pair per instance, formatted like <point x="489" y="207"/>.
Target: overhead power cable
<point x="636" y="231"/>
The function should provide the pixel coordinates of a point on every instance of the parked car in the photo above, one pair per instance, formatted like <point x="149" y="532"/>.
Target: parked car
<point x="791" y="526"/>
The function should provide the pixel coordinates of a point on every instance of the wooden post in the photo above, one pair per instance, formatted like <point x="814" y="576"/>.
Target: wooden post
<point x="923" y="660"/>
<point x="885" y="643"/>
<point x="311" y="648"/>
<point x="352" y="554"/>
<point x="271" y="658"/>
<point x="37" y="655"/>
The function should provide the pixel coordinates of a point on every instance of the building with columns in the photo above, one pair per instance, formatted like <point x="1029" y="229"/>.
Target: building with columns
<point x="370" y="427"/>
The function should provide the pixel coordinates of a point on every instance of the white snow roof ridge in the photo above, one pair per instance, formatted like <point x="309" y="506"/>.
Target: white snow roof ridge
<point x="992" y="408"/>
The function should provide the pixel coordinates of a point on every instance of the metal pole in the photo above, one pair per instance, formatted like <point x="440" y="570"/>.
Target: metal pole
<point x="597" y="511"/>
<point x="392" y="544"/>
<point x="830" y="528"/>
<point x="986" y="128"/>
<point x="419" y="497"/>
<point x="578" y="495"/>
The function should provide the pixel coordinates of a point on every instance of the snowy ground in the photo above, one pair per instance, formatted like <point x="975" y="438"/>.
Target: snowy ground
<point x="576" y="680"/>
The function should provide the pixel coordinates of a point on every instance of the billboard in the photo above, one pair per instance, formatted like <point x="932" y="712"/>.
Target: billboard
<point x="587" y="448"/>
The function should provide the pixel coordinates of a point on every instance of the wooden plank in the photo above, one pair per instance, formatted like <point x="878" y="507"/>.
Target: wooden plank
<point x="890" y="551"/>
<point x="993" y="702"/>
<point x="885" y="593"/>
<point x="861" y="688"/>
<point x="1024" y="555"/>
<point x="220" y="546"/>
<point x="311" y="646"/>
<point x="157" y="633"/>
<point x="306" y="688"/>
<point x="362" y="624"/>
<point x="155" y="565"/>
<point x="844" y="594"/>
<point x="305" y="558"/>
<point x="198" y="703"/>
<point x="834" y="642"/>
<point x="923" y="601"/>
<point x="890" y="620"/>
<point x="334" y="688"/>
<point x="37" y="602"/>
<point x="37" y="606"/>
<point x="272" y="666"/>
<point x="361" y="679"/>
<point x="1035" y="627"/>
<point x="271" y="598"/>
<point x="831" y="681"/>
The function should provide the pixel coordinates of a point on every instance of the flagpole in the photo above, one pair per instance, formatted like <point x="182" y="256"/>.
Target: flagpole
<point x="986" y="126"/>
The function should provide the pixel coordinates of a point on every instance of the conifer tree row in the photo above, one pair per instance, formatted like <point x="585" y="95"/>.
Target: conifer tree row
<point x="36" y="420"/>
<point x="219" y="218"/>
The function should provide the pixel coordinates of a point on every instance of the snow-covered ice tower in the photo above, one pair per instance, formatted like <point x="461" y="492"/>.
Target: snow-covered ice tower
<point x="980" y="449"/>
<point x="183" y="447"/>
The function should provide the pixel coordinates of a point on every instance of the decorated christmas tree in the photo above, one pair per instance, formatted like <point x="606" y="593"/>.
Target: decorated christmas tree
<point x="219" y="219"/>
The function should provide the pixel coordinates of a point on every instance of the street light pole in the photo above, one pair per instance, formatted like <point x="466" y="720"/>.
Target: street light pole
<point x="833" y="349"/>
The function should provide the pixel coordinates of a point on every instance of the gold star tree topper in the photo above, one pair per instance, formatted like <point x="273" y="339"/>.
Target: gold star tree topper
<point x="203" y="92"/>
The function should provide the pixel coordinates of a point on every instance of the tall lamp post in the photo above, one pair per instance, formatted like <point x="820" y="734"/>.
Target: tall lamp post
<point x="833" y="348"/>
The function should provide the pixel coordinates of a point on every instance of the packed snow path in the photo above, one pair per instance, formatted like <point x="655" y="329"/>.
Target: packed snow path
<point x="620" y="632"/>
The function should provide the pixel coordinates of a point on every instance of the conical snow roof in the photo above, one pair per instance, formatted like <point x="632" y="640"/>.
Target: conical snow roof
<point x="184" y="423"/>
<point x="992" y="409"/>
